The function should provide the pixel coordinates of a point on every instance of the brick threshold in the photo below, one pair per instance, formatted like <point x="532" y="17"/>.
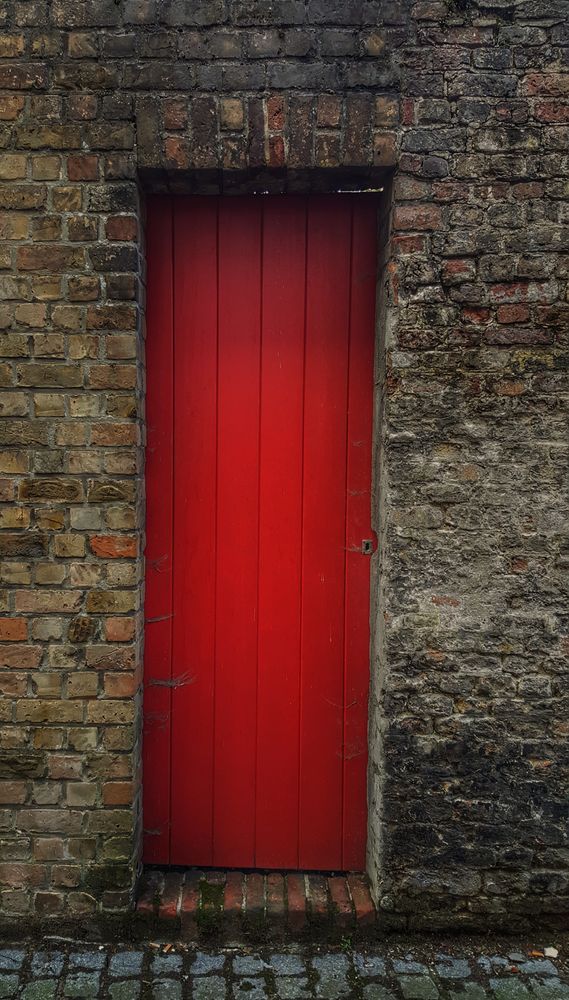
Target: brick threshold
<point x="233" y="906"/>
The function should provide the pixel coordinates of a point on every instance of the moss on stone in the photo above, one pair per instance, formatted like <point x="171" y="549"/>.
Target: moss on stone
<point x="209" y="917"/>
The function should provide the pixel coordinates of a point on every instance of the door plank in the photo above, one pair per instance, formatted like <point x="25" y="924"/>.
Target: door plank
<point x="238" y="529"/>
<point x="358" y="527"/>
<point x="195" y="490"/>
<point x="280" y="529"/>
<point x="323" y="547"/>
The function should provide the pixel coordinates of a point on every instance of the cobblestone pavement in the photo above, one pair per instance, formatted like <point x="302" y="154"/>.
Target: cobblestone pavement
<point x="390" y="970"/>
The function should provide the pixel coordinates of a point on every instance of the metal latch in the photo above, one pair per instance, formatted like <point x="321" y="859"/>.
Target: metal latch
<point x="367" y="547"/>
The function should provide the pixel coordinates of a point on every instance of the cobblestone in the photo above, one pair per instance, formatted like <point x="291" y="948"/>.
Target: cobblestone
<point x="11" y="960"/>
<point x="127" y="964"/>
<point x="8" y="986"/>
<point x="287" y="965"/>
<point x="332" y="972"/>
<point x="125" y="990"/>
<point x="418" y="988"/>
<point x="82" y="985"/>
<point x="167" y="989"/>
<point x="212" y="988"/>
<point x="44" y="964"/>
<point x="248" y="966"/>
<point x="249" y="989"/>
<point x="292" y="987"/>
<point x="375" y="991"/>
<point x="369" y="965"/>
<point x="452" y="968"/>
<point x="166" y="965"/>
<point x="43" y="989"/>
<point x="385" y="971"/>
<point x="88" y="960"/>
<point x="408" y="967"/>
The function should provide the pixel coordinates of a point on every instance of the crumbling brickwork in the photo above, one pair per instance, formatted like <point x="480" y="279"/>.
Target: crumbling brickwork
<point x="466" y="103"/>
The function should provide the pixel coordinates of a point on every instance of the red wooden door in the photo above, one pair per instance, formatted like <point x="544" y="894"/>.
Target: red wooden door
<point x="259" y="362"/>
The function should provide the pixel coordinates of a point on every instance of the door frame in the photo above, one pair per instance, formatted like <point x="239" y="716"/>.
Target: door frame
<point x="342" y="182"/>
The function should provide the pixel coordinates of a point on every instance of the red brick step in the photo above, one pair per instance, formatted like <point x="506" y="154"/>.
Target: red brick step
<point x="194" y="905"/>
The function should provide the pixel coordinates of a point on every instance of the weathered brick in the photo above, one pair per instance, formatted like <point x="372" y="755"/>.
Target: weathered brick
<point x="121" y="227"/>
<point x="113" y="546"/>
<point x="70" y="490"/>
<point x="23" y="77"/>
<point x="116" y="376"/>
<point x="20" y="657"/>
<point x="11" y="106"/>
<point x="13" y="793"/>
<point x="14" y="227"/>
<point x="513" y="314"/>
<point x="83" y="167"/>
<point x="472" y="280"/>
<point x="13" y="630"/>
<point x="546" y="84"/>
<point x="121" y="347"/>
<point x="82" y="228"/>
<point x="120" y="685"/>
<point x="23" y="544"/>
<point x="22" y="875"/>
<point x="15" y="517"/>
<point x="50" y="375"/>
<point x="44" y="258"/>
<point x="110" y="712"/>
<point x="119" y="629"/>
<point x="50" y="137"/>
<point x="109" y="658"/>
<point x="67" y="198"/>
<point x="12" y="166"/>
<point x="231" y="113"/>
<point x="82" y="685"/>
<point x="417" y="217"/>
<point x="30" y="314"/>
<point x="46" y="168"/>
<point x="110" y="601"/>
<point x="385" y="150"/>
<point x="13" y="404"/>
<point x="111" y="317"/>
<point x="22" y="197"/>
<point x="69" y="546"/>
<point x="13" y="461"/>
<point x="47" y="602"/>
<point x="83" y="288"/>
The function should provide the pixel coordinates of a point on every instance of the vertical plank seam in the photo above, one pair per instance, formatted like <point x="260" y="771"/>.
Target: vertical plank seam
<point x="216" y="534"/>
<point x="346" y="564"/>
<point x="257" y="608"/>
<point x="172" y="510"/>
<point x="301" y="596"/>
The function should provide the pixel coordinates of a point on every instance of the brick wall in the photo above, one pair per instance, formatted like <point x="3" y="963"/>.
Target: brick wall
<point x="469" y="100"/>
